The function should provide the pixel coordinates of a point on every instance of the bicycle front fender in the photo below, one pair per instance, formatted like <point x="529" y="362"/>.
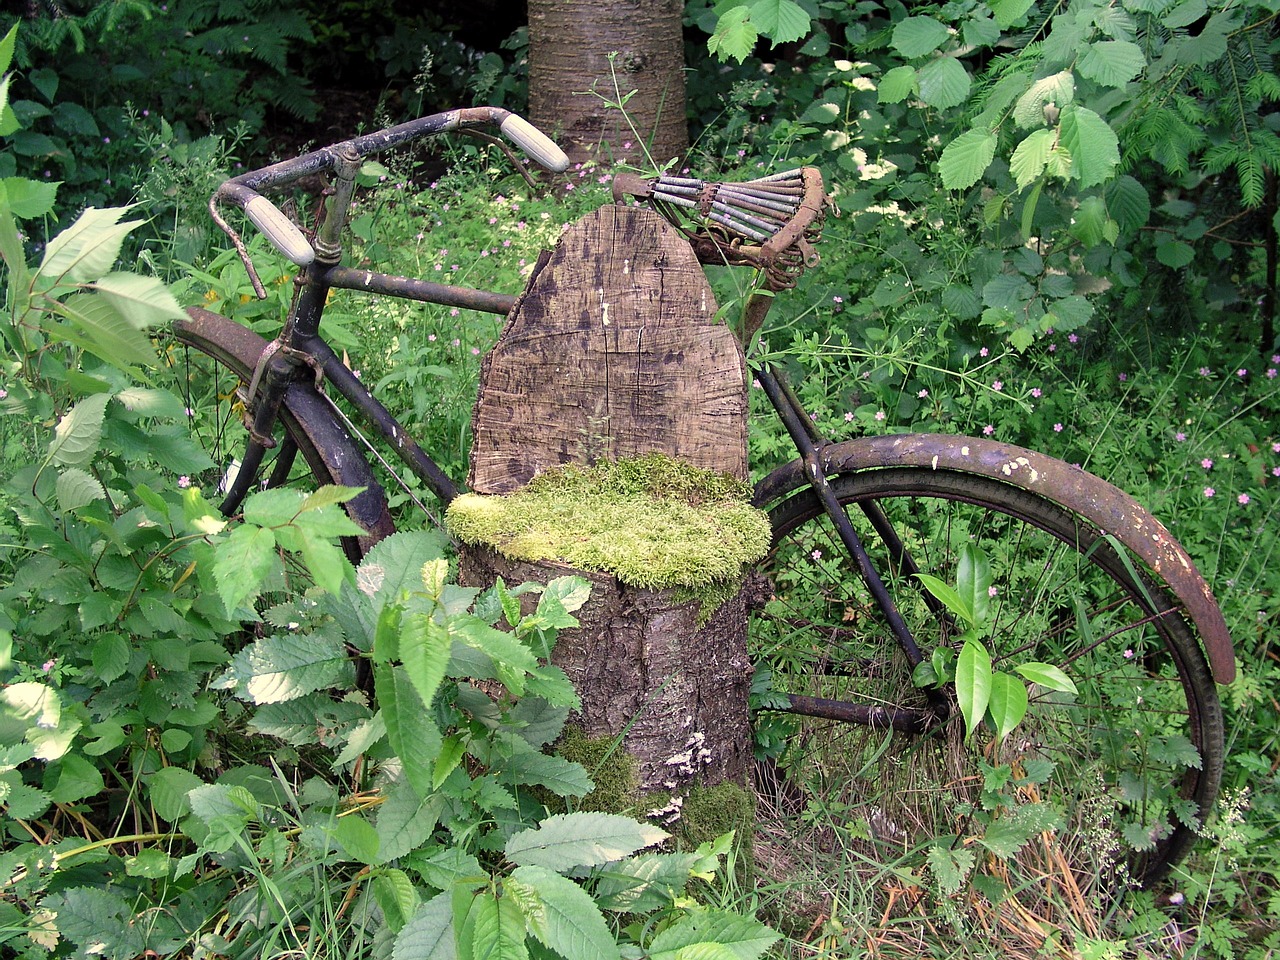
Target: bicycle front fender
<point x="1107" y="507"/>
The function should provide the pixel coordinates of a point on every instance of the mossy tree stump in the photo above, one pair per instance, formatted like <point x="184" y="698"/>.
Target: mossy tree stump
<point x="614" y="350"/>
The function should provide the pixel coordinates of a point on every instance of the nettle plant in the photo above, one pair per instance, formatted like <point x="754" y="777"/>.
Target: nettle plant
<point x="1088" y="149"/>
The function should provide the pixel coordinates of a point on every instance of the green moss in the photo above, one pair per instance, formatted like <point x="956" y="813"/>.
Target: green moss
<point x="612" y="770"/>
<point x="651" y="521"/>
<point x="709" y="812"/>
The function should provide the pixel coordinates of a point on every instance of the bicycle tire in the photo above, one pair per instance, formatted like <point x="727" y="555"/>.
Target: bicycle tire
<point x="1137" y="755"/>
<point x="310" y="426"/>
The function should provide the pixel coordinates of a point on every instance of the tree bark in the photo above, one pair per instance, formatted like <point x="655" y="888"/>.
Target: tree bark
<point x="570" y="43"/>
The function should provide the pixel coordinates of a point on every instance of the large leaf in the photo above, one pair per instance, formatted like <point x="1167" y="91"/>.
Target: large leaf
<point x="284" y="667"/>
<point x="566" y="919"/>
<point x="429" y="933"/>
<point x="565" y="841"/>
<point x="494" y="929"/>
<point x="735" y="35"/>
<point x="77" y="488"/>
<point x="1112" y="63"/>
<point x="644" y="883"/>
<point x="28" y="199"/>
<point x="1057" y="90"/>
<point x="405" y="821"/>
<point x="896" y="85"/>
<point x="944" y="83"/>
<point x="424" y="647"/>
<point x="241" y="563"/>
<point x="743" y="938"/>
<point x="87" y="249"/>
<point x="973" y="683"/>
<point x="1031" y="156"/>
<point x="973" y="583"/>
<point x="966" y="159"/>
<point x="76" y="437"/>
<point x="143" y="301"/>
<point x="1008" y="704"/>
<point x="1093" y="145"/>
<point x="782" y="21"/>
<point x="414" y="736"/>
<point x="916" y="36"/>
<point x="97" y="326"/>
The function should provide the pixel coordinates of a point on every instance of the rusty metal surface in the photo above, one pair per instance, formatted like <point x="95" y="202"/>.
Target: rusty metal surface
<point x="1111" y="509"/>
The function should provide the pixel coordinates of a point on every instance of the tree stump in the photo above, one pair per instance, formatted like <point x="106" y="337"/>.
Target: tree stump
<point x="614" y="350"/>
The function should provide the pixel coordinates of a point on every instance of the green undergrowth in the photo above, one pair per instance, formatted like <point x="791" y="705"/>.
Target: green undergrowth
<point x="651" y="521"/>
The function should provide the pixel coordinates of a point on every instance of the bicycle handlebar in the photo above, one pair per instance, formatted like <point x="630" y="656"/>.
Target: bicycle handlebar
<point x="284" y="235"/>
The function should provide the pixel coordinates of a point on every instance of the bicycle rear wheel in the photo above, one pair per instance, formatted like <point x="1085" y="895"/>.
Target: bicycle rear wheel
<point x="214" y="358"/>
<point x="1130" y="765"/>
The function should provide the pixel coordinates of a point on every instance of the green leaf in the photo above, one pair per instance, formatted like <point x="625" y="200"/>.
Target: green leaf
<point x="357" y="837"/>
<point x="896" y="85"/>
<point x="397" y="896"/>
<point x="950" y="867"/>
<point x="966" y="159"/>
<point x="77" y="488"/>
<point x="413" y="734"/>
<point x="948" y="597"/>
<point x="562" y="777"/>
<point x="497" y="928"/>
<point x="104" y="331"/>
<point x="1091" y="224"/>
<point x="87" y="249"/>
<point x="225" y="811"/>
<point x="284" y="667"/>
<point x="144" y="301"/>
<point x="916" y="36"/>
<point x="741" y="937"/>
<point x="73" y="778"/>
<point x="1009" y="12"/>
<point x="452" y="749"/>
<point x="1047" y="676"/>
<point x="6" y="47"/>
<point x="565" y="841"/>
<point x="325" y="560"/>
<point x="110" y="655"/>
<point x="567" y="919"/>
<point x="1093" y="145"/>
<point x="77" y="435"/>
<point x="1174" y="253"/>
<point x="168" y="788"/>
<point x="30" y="199"/>
<point x="1112" y="63"/>
<point x="973" y="683"/>
<point x="405" y="821"/>
<point x="148" y="863"/>
<point x="735" y="35"/>
<point x="1008" y="704"/>
<point x="644" y="883"/>
<point x="424" y="646"/>
<point x="429" y="933"/>
<point x="391" y="569"/>
<point x="503" y="648"/>
<point x="944" y="83"/>
<point x="1009" y="834"/>
<point x="782" y="21"/>
<point x="98" y="921"/>
<point x="1057" y="90"/>
<point x="973" y="584"/>
<point x="1031" y="155"/>
<point x="241" y="563"/>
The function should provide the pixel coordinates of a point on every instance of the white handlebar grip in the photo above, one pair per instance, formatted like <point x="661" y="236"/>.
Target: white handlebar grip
<point x="280" y="230"/>
<point x="535" y="143"/>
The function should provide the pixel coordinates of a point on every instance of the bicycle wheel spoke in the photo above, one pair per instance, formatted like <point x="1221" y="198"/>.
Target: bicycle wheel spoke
<point x="1134" y="753"/>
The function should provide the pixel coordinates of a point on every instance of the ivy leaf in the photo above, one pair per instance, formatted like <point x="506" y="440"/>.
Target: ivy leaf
<point x="565" y="919"/>
<point x="565" y="841"/>
<point x="973" y="683"/>
<point x="77" y="435"/>
<point x="944" y="83"/>
<point x="916" y="36"/>
<point x="966" y="159"/>
<point x="1093" y="145"/>
<point x="1112" y="63"/>
<point x="1008" y="703"/>
<point x="429" y="933"/>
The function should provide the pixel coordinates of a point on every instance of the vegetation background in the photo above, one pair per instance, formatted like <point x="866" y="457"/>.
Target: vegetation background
<point x="1058" y="228"/>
